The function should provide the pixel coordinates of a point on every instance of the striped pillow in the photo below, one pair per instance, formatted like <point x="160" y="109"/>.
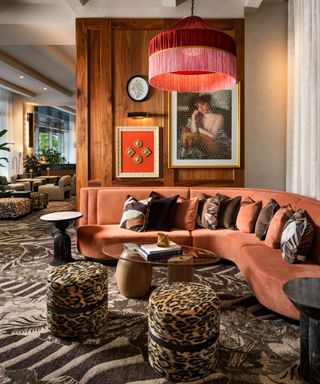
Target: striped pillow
<point x="135" y="214"/>
<point x="296" y="238"/>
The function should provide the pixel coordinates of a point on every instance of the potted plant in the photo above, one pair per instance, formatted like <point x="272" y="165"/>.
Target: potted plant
<point x="4" y="147"/>
<point x="51" y="157"/>
<point x="32" y="162"/>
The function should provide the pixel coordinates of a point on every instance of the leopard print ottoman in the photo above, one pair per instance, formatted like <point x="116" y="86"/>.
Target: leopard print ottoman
<point x="183" y="341"/>
<point x="39" y="200"/>
<point x="77" y="299"/>
<point x="12" y="208"/>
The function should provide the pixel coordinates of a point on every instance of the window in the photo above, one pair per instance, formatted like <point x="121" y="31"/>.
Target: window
<point x="54" y="129"/>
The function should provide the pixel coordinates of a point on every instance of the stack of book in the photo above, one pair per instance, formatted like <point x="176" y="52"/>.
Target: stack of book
<point x="153" y="252"/>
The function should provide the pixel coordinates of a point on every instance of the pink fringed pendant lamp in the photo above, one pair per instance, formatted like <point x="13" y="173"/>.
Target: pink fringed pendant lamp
<point x="192" y="56"/>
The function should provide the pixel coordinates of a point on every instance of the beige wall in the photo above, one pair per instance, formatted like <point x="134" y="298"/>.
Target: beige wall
<point x="265" y="96"/>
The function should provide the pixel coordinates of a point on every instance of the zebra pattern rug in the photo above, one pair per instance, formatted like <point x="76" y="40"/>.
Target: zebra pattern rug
<point x="257" y="346"/>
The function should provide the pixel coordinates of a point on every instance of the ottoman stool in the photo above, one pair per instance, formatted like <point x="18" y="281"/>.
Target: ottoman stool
<point x="77" y="299"/>
<point x="12" y="208"/>
<point x="183" y="341"/>
<point x="39" y="200"/>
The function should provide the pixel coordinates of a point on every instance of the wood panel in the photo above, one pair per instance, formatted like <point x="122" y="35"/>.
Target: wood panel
<point x="109" y="52"/>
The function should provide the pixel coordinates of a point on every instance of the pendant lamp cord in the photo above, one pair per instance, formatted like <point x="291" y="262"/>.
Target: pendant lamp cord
<point x="192" y="7"/>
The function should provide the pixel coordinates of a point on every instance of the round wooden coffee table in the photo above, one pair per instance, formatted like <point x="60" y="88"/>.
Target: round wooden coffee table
<point x="179" y="266"/>
<point x="62" y="241"/>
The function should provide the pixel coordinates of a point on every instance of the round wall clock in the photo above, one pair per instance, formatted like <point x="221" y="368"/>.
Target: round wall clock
<point x="137" y="88"/>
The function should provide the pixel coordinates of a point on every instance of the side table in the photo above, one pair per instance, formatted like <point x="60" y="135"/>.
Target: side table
<point x="304" y="293"/>
<point x="62" y="241"/>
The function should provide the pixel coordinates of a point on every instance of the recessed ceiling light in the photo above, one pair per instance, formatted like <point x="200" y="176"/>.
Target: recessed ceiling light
<point x="44" y="88"/>
<point x="21" y="77"/>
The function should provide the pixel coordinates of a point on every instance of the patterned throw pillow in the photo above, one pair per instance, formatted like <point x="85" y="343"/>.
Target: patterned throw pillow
<point x="264" y="219"/>
<point x="135" y="214"/>
<point x="296" y="239"/>
<point x="208" y="211"/>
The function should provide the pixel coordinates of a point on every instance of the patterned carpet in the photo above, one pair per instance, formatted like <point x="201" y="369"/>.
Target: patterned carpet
<point x="257" y="346"/>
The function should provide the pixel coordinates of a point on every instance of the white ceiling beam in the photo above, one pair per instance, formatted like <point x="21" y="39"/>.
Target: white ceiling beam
<point x="172" y="3"/>
<point x="16" y="89"/>
<point x="14" y="63"/>
<point x="253" y="3"/>
<point x="65" y="108"/>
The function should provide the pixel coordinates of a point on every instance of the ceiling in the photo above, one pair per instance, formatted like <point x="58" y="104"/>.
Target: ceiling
<point x="37" y="38"/>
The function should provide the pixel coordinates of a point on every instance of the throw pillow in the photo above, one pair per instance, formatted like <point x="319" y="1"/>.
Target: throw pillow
<point x="135" y="214"/>
<point x="296" y="239"/>
<point x="208" y="216"/>
<point x="162" y="212"/>
<point x="247" y="215"/>
<point x="186" y="213"/>
<point x="228" y="212"/>
<point x="276" y="226"/>
<point x="264" y="219"/>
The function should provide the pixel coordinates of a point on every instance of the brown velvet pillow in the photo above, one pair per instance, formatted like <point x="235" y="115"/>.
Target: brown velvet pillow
<point x="162" y="212"/>
<point x="228" y="212"/>
<point x="276" y="226"/>
<point x="247" y="215"/>
<point x="186" y="213"/>
<point x="264" y="219"/>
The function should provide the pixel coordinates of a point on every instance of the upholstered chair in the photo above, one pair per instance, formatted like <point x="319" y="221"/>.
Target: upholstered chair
<point x="60" y="191"/>
<point x="22" y="186"/>
<point x="73" y="185"/>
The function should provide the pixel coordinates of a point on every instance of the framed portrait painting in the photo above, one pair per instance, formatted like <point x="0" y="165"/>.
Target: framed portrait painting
<point x="205" y="129"/>
<point x="137" y="151"/>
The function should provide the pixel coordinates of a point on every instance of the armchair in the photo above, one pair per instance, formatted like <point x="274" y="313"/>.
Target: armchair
<point x="58" y="192"/>
<point x="14" y="186"/>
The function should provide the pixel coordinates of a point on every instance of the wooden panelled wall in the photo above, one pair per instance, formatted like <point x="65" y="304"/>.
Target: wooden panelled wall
<point x="109" y="52"/>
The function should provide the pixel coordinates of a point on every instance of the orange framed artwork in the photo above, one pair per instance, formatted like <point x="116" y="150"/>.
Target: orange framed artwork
<point x="137" y="152"/>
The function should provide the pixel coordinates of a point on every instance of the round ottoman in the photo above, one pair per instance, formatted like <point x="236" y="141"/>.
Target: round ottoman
<point x="39" y="200"/>
<point x="77" y="299"/>
<point x="183" y="342"/>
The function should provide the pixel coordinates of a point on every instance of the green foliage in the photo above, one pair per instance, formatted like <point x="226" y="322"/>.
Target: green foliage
<point x="43" y="141"/>
<point x="51" y="157"/>
<point x="32" y="162"/>
<point x="4" y="147"/>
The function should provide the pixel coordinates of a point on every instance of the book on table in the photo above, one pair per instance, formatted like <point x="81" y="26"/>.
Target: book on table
<point x="152" y="251"/>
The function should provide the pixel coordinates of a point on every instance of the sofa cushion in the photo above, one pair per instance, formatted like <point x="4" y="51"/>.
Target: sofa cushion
<point x="162" y="212"/>
<point x="208" y="211"/>
<point x="264" y="218"/>
<point x="91" y="238"/>
<point x="228" y="212"/>
<point x="276" y="226"/>
<point x="247" y="215"/>
<point x="266" y="272"/>
<point x="296" y="239"/>
<point x="135" y="214"/>
<point x="186" y="213"/>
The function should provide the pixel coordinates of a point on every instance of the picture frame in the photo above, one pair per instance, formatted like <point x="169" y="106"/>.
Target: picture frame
<point x="137" y="152"/>
<point x="204" y="129"/>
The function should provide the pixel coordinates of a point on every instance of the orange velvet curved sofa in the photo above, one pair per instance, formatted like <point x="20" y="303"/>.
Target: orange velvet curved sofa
<point x="263" y="267"/>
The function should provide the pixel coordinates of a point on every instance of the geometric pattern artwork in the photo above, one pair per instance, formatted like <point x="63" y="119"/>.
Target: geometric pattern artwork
<point x="137" y="150"/>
